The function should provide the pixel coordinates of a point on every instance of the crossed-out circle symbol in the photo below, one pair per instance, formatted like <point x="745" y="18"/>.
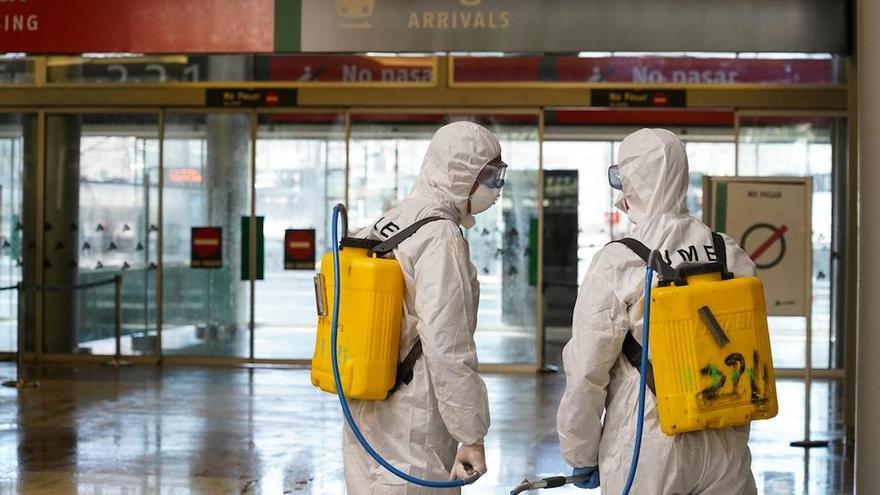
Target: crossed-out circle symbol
<point x="776" y="234"/>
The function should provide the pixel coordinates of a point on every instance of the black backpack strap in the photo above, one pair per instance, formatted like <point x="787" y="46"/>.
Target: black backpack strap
<point x="668" y="274"/>
<point x="721" y="255"/>
<point x="632" y="351"/>
<point x="405" y="367"/>
<point x="388" y="245"/>
<point x="637" y="247"/>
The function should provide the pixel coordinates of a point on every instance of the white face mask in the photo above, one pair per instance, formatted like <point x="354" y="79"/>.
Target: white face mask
<point x="483" y="198"/>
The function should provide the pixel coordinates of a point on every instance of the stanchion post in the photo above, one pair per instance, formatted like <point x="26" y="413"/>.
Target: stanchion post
<point x="807" y="442"/>
<point x="20" y="382"/>
<point x="117" y="360"/>
<point x="117" y="314"/>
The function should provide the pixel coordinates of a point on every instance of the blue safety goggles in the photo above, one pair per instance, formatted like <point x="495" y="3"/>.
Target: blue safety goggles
<point x="493" y="174"/>
<point x="614" y="177"/>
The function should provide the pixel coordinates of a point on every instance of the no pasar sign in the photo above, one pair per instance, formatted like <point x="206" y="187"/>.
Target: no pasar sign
<point x="206" y="247"/>
<point x="299" y="249"/>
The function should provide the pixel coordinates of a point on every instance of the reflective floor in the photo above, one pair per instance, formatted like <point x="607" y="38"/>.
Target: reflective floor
<point x="146" y="429"/>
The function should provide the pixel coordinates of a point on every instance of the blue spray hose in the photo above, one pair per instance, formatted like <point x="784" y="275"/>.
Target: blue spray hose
<point x="649" y="279"/>
<point x="338" y="381"/>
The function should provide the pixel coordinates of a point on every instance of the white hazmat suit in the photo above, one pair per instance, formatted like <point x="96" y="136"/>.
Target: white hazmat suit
<point x="654" y="173"/>
<point x="418" y="428"/>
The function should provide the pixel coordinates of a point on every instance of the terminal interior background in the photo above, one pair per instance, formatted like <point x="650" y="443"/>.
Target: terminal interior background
<point x="120" y="188"/>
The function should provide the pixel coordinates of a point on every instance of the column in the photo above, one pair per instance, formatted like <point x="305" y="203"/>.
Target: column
<point x="867" y="455"/>
<point x="227" y="189"/>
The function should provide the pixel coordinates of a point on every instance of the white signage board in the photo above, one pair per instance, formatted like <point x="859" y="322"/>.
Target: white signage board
<point x="562" y="26"/>
<point x="770" y="218"/>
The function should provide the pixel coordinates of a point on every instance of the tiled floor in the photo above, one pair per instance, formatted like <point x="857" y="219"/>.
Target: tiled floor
<point x="94" y="430"/>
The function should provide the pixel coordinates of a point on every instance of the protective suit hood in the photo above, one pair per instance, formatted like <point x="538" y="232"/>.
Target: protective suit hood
<point x="654" y="173"/>
<point x="456" y="155"/>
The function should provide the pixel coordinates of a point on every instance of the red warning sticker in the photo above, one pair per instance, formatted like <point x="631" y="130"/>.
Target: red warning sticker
<point x="206" y="247"/>
<point x="299" y="249"/>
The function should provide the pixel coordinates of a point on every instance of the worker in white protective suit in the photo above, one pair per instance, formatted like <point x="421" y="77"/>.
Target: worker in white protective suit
<point x="433" y="427"/>
<point x="652" y="172"/>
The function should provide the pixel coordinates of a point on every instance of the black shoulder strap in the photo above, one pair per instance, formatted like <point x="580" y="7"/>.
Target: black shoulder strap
<point x="632" y="351"/>
<point x="405" y="367"/>
<point x="637" y="247"/>
<point x="721" y="255"/>
<point x="388" y="245"/>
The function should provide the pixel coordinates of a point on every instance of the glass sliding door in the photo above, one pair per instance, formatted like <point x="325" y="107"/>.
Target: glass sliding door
<point x="207" y="164"/>
<point x="800" y="146"/>
<point x="504" y="248"/>
<point x="386" y="153"/>
<point x="579" y="212"/>
<point x="100" y="222"/>
<point x="14" y="127"/>
<point x="300" y="176"/>
<point x="579" y="219"/>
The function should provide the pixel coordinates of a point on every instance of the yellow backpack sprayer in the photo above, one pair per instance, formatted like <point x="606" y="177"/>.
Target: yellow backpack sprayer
<point x="711" y="364"/>
<point x="358" y="342"/>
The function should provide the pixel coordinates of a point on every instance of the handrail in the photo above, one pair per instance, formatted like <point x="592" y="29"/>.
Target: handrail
<point x="62" y="288"/>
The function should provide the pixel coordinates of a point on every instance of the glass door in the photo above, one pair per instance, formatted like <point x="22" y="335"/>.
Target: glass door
<point x="773" y="145"/>
<point x="15" y="130"/>
<point x="207" y="184"/>
<point x="100" y="208"/>
<point x="814" y="146"/>
<point x="300" y="176"/>
<point x="579" y="213"/>
<point x="386" y="153"/>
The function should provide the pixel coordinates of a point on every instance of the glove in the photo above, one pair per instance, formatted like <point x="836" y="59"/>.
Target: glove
<point x="469" y="459"/>
<point x="592" y="474"/>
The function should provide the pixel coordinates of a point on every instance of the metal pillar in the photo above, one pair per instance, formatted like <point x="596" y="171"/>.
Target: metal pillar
<point x="867" y="455"/>
<point x="50" y="251"/>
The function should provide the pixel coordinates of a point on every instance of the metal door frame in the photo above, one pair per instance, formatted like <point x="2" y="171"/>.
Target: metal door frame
<point x="832" y="372"/>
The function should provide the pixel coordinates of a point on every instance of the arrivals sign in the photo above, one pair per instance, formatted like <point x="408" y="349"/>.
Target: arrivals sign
<point x="299" y="249"/>
<point x="570" y="26"/>
<point x="267" y="26"/>
<point x="770" y="219"/>
<point x="206" y="247"/>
